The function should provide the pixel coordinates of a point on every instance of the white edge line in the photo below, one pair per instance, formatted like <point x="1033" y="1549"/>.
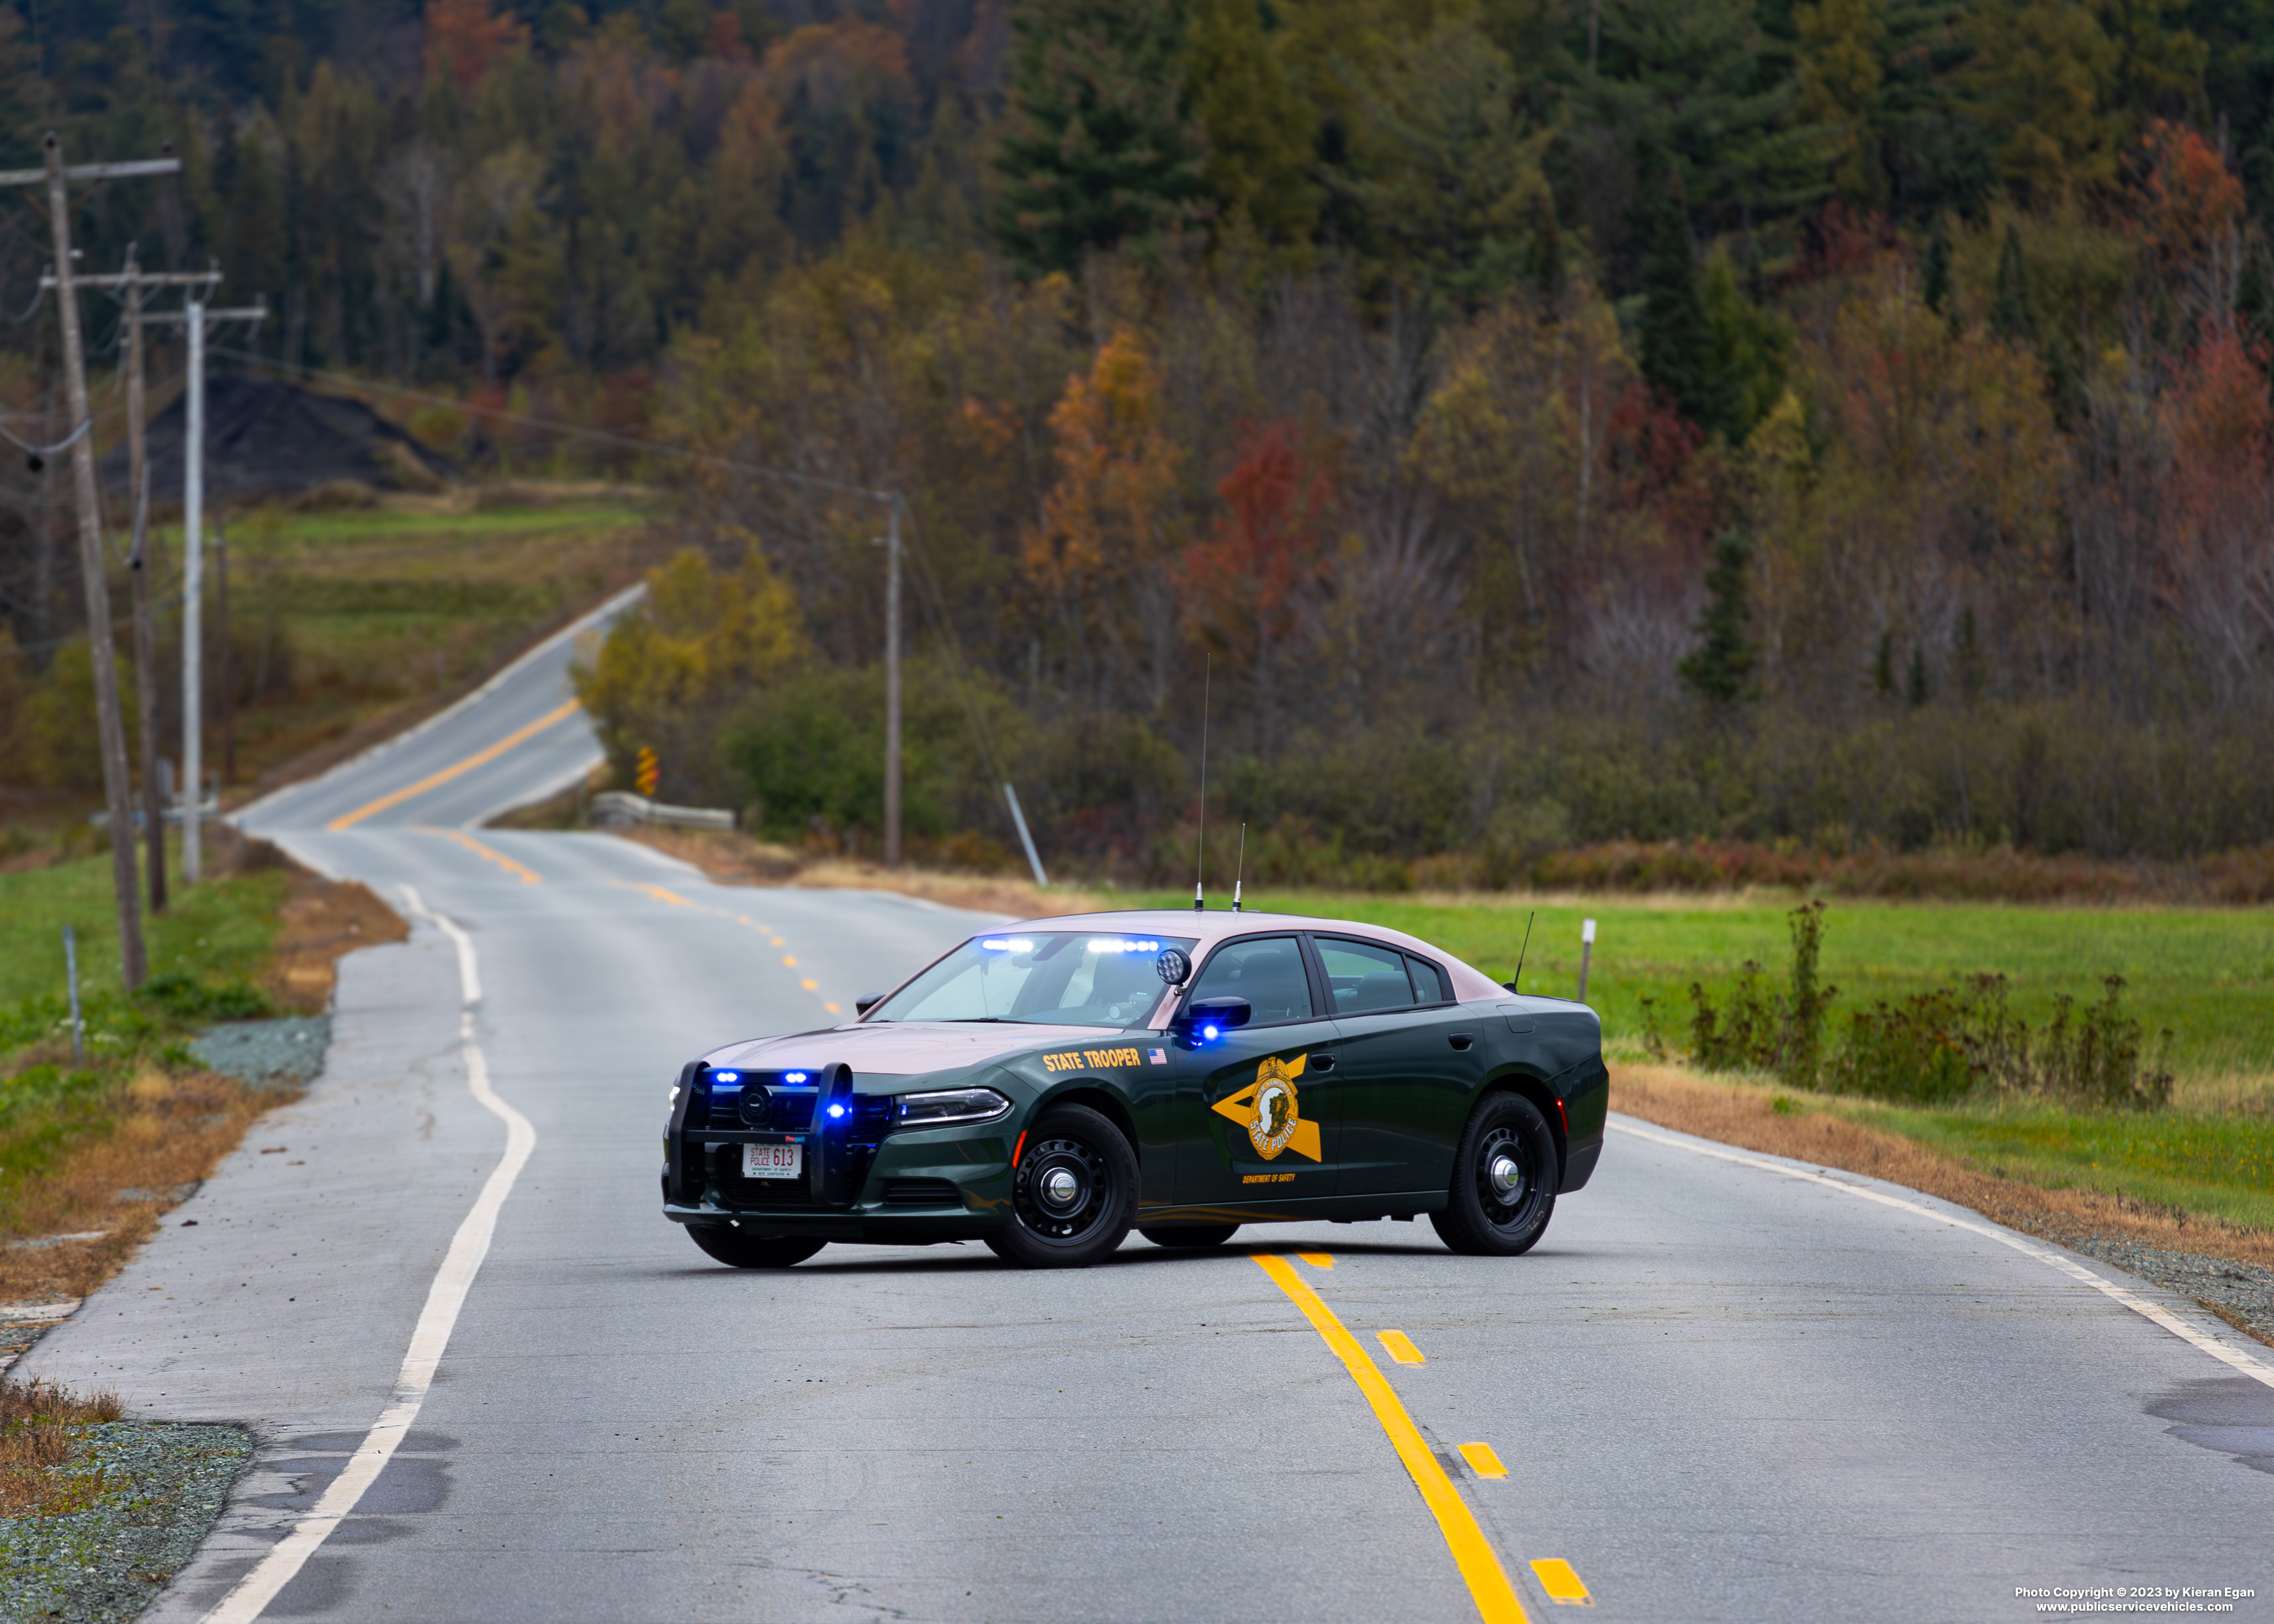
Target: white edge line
<point x="250" y="1595"/>
<point x="2247" y="1363"/>
<point x="576" y="628"/>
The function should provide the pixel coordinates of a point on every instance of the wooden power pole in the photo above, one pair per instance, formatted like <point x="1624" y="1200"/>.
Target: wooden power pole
<point x="131" y="283"/>
<point x="133" y="966"/>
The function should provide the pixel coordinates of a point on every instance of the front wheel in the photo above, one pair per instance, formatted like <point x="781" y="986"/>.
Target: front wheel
<point x="1073" y="1194"/>
<point x="1191" y="1234"/>
<point x="1504" y="1174"/>
<point x="737" y="1250"/>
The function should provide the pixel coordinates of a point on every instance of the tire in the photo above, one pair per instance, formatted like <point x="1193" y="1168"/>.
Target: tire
<point x="1504" y="1178"/>
<point x="731" y="1246"/>
<point x="1073" y="1194"/>
<point x="1191" y="1235"/>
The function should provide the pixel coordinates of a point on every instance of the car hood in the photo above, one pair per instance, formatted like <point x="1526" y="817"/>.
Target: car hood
<point x="897" y="1049"/>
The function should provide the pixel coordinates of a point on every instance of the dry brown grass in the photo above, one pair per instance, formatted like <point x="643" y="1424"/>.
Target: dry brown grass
<point x="732" y="859"/>
<point x="37" y="1421"/>
<point x="1742" y="1115"/>
<point x="321" y="922"/>
<point x="165" y="1131"/>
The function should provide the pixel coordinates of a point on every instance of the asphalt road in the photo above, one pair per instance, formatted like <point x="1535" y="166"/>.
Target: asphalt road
<point x="1718" y="1391"/>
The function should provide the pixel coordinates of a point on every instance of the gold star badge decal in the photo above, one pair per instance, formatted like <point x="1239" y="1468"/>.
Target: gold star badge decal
<point x="1269" y="1109"/>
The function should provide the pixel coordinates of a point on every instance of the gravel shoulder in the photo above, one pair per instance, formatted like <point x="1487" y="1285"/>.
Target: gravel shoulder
<point x="162" y="1485"/>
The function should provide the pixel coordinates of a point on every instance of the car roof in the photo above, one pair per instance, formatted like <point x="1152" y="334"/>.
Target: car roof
<point x="1214" y="925"/>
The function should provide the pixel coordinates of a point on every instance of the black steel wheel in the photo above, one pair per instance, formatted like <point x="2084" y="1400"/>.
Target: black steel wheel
<point x="1191" y="1234"/>
<point x="1504" y="1178"/>
<point x="1073" y="1194"/>
<point x="731" y="1246"/>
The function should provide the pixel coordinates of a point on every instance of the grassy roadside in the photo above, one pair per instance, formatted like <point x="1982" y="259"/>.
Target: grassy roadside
<point x="100" y="1146"/>
<point x="2096" y="1202"/>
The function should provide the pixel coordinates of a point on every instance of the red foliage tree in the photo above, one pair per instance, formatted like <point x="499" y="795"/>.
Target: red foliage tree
<point x="463" y="35"/>
<point x="1245" y="586"/>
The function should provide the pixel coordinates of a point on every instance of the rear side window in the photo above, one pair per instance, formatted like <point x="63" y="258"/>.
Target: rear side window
<point x="1365" y="978"/>
<point x="1267" y="972"/>
<point x="1431" y="985"/>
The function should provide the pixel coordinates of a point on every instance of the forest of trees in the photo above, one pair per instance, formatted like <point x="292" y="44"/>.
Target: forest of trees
<point x="1528" y="421"/>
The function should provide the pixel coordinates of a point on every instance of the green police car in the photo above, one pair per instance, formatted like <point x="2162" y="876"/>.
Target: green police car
<point x="1047" y="1086"/>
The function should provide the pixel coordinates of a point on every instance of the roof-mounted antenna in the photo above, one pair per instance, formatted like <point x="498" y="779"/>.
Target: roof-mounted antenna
<point x="1520" y="951"/>
<point x="1240" y="869"/>
<point x="1200" y="859"/>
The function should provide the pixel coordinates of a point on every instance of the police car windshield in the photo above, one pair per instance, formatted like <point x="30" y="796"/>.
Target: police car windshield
<point x="1043" y="977"/>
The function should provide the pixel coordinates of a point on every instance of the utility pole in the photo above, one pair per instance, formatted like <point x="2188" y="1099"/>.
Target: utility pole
<point x="193" y="497"/>
<point x="892" y="689"/>
<point x="131" y="282"/>
<point x="138" y="572"/>
<point x="195" y="317"/>
<point x="228" y="672"/>
<point x="133" y="967"/>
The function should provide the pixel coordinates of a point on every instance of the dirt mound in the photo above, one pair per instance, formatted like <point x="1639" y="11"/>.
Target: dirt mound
<point x="267" y="438"/>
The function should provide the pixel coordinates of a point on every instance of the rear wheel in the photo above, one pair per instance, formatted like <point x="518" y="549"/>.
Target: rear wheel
<point x="1191" y="1234"/>
<point x="737" y="1250"/>
<point x="1073" y="1194"/>
<point x="1504" y="1174"/>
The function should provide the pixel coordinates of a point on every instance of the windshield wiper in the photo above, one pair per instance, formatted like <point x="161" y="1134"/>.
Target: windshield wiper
<point x="998" y="1020"/>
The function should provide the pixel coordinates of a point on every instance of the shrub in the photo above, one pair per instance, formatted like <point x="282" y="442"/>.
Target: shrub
<point x="1755" y="1030"/>
<point x="1930" y="1047"/>
<point x="187" y="998"/>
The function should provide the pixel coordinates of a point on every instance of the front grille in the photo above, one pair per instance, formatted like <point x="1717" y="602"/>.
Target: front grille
<point x="923" y="1192"/>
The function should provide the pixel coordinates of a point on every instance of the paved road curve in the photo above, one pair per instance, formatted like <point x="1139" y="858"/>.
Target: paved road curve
<point x="1717" y="1391"/>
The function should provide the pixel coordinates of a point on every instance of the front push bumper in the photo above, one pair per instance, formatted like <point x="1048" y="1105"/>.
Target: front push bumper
<point x="906" y="1187"/>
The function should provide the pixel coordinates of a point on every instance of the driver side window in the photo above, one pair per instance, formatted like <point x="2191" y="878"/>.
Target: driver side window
<point x="1267" y="972"/>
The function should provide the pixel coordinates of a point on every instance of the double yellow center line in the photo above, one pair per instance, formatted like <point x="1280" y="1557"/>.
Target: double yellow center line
<point x="479" y="758"/>
<point x="1496" y="1598"/>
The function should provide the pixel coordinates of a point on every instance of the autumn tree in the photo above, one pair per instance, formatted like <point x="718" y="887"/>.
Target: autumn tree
<point x="1247" y="585"/>
<point x="1108" y="522"/>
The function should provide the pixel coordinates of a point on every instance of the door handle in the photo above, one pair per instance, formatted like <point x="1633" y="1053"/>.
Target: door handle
<point x="1323" y="1062"/>
<point x="1461" y="1040"/>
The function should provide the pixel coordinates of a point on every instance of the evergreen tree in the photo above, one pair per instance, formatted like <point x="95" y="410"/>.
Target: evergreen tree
<point x="1097" y="150"/>
<point x="1935" y="275"/>
<point x="1676" y="335"/>
<point x="1720" y="671"/>
<point x="2011" y="313"/>
<point x="1258" y="132"/>
<point x="1695" y="80"/>
<point x="1840" y="73"/>
<point x="1883" y="667"/>
<point x="1915" y="690"/>
<point x="1751" y="350"/>
<point x="1446" y="173"/>
<point x="1970" y="658"/>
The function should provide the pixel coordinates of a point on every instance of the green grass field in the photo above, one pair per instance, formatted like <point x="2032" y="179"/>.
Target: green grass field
<point x="2205" y="973"/>
<point x="219" y="931"/>
<point x="2223" y="1166"/>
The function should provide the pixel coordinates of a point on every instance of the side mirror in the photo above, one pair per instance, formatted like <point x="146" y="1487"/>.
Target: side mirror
<point x="862" y="1006"/>
<point x="1209" y="1019"/>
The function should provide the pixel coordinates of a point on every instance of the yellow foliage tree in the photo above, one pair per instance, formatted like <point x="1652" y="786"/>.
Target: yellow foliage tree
<point x="671" y="670"/>
<point x="1107" y="520"/>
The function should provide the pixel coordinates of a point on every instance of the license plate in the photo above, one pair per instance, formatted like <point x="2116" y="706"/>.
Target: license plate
<point x="773" y="1161"/>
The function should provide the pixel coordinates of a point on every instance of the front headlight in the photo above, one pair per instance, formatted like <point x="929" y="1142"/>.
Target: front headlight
<point x="948" y="1107"/>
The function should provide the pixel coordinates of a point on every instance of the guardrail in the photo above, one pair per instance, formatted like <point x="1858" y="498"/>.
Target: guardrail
<point x="617" y="808"/>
